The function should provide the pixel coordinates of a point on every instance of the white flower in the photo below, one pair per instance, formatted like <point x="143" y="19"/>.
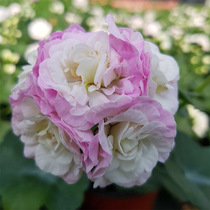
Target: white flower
<point x="200" y="121"/>
<point x="163" y="80"/>
<point x="150" y="16"/>
<point x="72" y="18"/>
<point x="97" y="11"/>
<point x="9" y="68"/>
<point x="14" y="8"/>
<point x="200" y="39"/>
<point x="152" y="29"/>
<point x="39" y="29"/>
<point x="4" y="13"/>
<point x="75" y="68"/>
<point x="44" y="141"/>
<point x="135" y="22"/>
<point x="57" y="7"/>
<point x="176" y="31"/>
<point x="81" y="4"/>
<point x="138" y="138"/>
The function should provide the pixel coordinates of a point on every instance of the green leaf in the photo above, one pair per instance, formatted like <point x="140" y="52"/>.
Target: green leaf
<point x="66" y="196"/>
<point x="27" y="193"/>
<point x="192" y="156"/>
<point x="186" y="174"/>
<point x="4" y="127"/>
<point x="30" y="188"/>
<point x="184" y="124"/>
<point x="12" y="161"/>
<point x="204" y="84"/>
<point x="184" y="95"/>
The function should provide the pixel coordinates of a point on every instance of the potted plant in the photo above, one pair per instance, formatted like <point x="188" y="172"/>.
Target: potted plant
<point x="183" y="175"/>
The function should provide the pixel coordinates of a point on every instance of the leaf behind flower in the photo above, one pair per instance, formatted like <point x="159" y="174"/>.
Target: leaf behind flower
<point x="24" y="186"/>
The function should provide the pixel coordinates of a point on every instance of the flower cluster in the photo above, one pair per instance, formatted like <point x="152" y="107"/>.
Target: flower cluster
<point x="96" y="102"/>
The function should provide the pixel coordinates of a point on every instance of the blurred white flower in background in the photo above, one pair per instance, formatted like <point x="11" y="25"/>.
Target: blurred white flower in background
<point x="166" y="44"/>
<point x="135" y="22"/>
<point x="39" y="29"/>
<point x="152" y="29"/>
<point x="72" y="18"/>
<point x="196" y="20"/>
<point x="200" y="39"/>
<point x="9" y="56"/>
<point x="97" y="11"/>
<point x="185" y="47"/>
<point x="6" y="12"/>
<point x="165" y="40"/>
<point x="9" y="68"/>
<point x="206" y="59"/>
<point x="81" y="4"/>
<point x="96" y="22"/>
<point x="190" y="11"/>
<point x="14" y="8"/>
<point x="199" y="21"/>
<point x="149" y="16"/>
<point x="57" y="7"/>
<point x="176" y="32"/>
<point x="11" y="59"/>
<point x="27" y="10"/>
<point x="200" y="121"/>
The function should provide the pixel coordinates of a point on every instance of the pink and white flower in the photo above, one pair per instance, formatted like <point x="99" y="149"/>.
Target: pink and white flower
<point x="88" y="69"/>
<point x="99" y="103"/>
<point x="44" y="141"/>
<point x="137" y="138"/>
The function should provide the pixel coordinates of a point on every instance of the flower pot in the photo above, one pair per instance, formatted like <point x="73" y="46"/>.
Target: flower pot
<point x="114" y="201"/>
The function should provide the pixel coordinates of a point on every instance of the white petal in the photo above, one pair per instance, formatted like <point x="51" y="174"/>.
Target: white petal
<point x="133" y="116"/>
<point x="46" y="160"/>
<point x="29" y="108"/>
<point x="168" y="66"/>
<point x="149" y="156"/>
<point x="65" y="157"/>
<point x="87" y="70"/>
<point x="100" y="71"/>
<point x="168" y="99"/>
<point x="32" y="56"/>
<point x="112" y="26"/>
<point x="97" y="98"/>
<point x="80" y="94"/>
<point x="29" y="150"/>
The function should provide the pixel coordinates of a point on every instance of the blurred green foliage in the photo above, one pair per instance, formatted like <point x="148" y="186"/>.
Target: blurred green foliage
<point x="182" y="32"/>
<point x="24" y="186"/>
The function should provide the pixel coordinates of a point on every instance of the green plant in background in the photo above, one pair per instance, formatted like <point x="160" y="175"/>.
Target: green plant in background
<point x="183" y="33"/>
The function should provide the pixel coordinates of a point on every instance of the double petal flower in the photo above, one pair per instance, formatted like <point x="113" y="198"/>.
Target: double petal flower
<point x="99" y="103"/>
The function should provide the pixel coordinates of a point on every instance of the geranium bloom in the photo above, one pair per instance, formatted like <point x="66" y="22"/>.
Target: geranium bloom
<point x="89" y="69"/>
<point x="137" y="138"/>
<point x="44" y="141"/>
<point x="99" y="103"/>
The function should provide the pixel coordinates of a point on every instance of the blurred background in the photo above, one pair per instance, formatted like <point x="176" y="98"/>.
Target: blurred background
<point x="180" y="28"/>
